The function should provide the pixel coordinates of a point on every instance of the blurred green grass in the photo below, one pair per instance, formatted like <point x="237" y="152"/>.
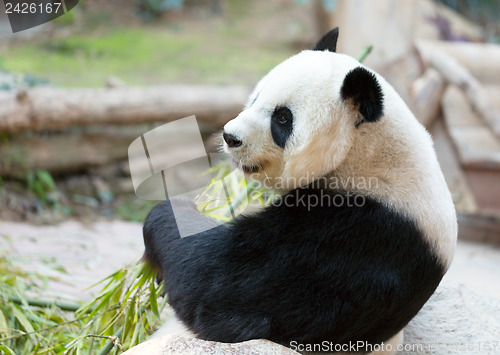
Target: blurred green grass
<point x="147" y="55"/>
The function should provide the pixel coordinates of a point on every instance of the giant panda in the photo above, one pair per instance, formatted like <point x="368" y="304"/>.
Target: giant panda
<point x="315" y="267"/>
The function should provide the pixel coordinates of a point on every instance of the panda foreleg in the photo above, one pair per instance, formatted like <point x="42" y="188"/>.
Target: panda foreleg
<point x="173" y="326"/>
<point x="391" y="346"/>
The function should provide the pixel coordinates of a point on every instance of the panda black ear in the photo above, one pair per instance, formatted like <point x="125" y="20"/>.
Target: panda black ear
<point x="361" y="86"/>
<point x="328" y="41"/>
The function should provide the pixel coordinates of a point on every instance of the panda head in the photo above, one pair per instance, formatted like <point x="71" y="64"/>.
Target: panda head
<point x="299" y="123"/>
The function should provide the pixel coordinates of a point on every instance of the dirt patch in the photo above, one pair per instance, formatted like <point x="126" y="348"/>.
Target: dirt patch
<point x="95" y="194"/>
<point x="73" y="255"/>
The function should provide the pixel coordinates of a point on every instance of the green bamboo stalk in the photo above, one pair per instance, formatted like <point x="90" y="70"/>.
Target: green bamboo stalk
<point x="65" y="306"/>
<point x="364" y="53"/>
<point x="110" y="344"/>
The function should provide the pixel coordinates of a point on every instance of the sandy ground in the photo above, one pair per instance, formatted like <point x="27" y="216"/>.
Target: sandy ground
<point x="477" y="266"/>
<point x="89" y="252"/>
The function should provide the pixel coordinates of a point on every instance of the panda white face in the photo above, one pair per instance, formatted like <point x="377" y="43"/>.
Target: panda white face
<point x="297" y="125"/>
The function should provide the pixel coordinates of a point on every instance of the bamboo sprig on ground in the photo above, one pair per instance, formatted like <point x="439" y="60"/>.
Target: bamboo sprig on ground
<point x="124" y="313"/>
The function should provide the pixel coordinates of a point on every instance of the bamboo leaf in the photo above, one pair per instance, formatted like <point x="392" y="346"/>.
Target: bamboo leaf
<point x="72" y="343"/>
<point x="152" y="300"/>
<point x="3" y="323"/>
<point x="129" y="317"/>
<point x="223" y="218"/>
<point x="102" y="304"/>
<point x="43" y="321"/>
<point x="18" y="313"/>
<point x="116" y="275"/>
<point x="135" y="335"/>
<point x="6" y="350"/>
<point x="364" y="53"/>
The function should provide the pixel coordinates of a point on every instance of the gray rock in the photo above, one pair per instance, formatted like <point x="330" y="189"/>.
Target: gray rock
<point x="175" y="344"/>
<point x="455" y="320"/>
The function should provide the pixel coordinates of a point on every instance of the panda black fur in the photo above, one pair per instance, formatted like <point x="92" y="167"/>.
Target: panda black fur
<point x="296" y="272"/>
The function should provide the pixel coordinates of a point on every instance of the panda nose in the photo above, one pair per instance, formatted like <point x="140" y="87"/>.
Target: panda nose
<point x="231" y="141"/>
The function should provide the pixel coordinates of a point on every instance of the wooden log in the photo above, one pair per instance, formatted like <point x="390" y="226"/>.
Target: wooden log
<point x="462" y="194"/>
<point x="451" y="23"/>
<point x="62" y="153"/>
<point x="456" y="74"/>
<point x="477" y="146"/>
<point x="481" y="59"/>
<point x="485" y="184"/>
<point x="479" y="228"/>
<point x="46" y="108"/>
<point x="79" y="148"/>
<point x="402" y="72"/>
<point x="494" y="94"/>
<point x="426" y="93"/>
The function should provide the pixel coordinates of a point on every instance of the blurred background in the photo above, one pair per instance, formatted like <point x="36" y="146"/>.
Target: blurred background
<point x="75" y="92"/>
<point x="112" y="62"/>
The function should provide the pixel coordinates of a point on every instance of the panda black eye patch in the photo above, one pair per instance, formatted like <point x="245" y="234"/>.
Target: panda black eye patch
<point x="281" y="125"/>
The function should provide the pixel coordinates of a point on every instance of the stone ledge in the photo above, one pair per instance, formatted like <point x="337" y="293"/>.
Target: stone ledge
<point x="455" y="320"/>
<point x="175" y="344"/>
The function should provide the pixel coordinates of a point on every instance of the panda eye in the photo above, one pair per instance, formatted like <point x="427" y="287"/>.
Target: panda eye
<point x="281" y="125"/>
<point x="282" y="119"/>
<point x="282" y="115"/>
